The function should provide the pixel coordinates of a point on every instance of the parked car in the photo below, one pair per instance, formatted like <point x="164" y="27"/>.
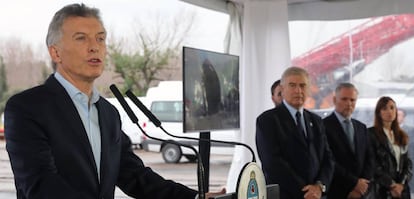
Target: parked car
<point x="2" y="126"/>
<point x="1" y="133"/>
<point x="131" y="129"/>
<point x="170" y="114"/>
<point x="165" y="102"/>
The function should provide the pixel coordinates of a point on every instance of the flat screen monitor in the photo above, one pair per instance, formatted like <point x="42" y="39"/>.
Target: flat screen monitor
<point x="210" y="91"/>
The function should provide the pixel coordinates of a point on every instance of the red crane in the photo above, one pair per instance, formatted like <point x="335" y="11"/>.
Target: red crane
<point x="362" y="44"/>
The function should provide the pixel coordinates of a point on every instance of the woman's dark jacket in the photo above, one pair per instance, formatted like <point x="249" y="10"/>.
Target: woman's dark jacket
<point x="386" y="166"/>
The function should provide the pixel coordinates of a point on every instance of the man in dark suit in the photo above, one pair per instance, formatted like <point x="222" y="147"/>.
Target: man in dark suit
<point x="348" y="138"/>
<point x="292" y="144"/>
<point x="63" y="139"/>
<point x="275" y="91"/>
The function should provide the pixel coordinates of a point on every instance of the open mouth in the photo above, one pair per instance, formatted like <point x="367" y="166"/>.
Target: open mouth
<point x="94" y="60"/>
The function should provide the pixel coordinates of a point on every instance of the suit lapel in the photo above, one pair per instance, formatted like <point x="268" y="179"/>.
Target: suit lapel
<point x="291" y="126"/>
<point x="357" y="137"/>
<point x="342" y="135"/>
<point x="105" y="140"/>
<point x="74" y="124"/>
<point x="308" y="126"/>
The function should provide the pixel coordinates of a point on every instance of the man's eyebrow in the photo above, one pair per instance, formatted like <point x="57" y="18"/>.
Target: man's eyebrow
<point x="82" y="33"/>
<point x="78" y="33"/>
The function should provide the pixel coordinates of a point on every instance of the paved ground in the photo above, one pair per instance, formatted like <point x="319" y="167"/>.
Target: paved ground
<point x="183" y="172"/>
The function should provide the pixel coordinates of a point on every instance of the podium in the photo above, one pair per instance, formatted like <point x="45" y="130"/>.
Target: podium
<point x="252" y="185"/>
<point x="272" y="193"/>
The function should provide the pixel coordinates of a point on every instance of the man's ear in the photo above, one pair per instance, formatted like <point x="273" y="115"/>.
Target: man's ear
<point x="54" y="54"/>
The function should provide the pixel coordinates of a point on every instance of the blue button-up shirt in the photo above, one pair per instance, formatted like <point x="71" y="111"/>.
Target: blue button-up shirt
<point x="341" y="119"/>
<point x="88" y="113"/>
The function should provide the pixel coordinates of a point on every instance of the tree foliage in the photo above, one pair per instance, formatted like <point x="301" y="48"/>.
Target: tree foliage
<point x="139" y="69"/>
<point x="3" y="84"/>
<point x="153" y="51"/>
<point x="21" y="67"/>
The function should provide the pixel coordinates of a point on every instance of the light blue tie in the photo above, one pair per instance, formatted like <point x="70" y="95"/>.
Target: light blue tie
<point x="349" y="130"/>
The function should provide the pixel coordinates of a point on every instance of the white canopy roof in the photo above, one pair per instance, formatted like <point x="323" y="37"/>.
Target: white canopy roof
<point x="326" y="9"/>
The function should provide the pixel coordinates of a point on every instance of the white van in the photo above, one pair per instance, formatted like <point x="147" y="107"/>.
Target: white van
<point x="165" y="102"/>
<point x="128" y="127"/>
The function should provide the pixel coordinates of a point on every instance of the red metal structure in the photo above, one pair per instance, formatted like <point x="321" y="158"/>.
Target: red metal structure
<point x="357" y="48"/>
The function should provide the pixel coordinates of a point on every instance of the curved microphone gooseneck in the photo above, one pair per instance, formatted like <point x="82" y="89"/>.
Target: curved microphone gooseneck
<point x="157" y="123"/>
<point x="134" y="119"/>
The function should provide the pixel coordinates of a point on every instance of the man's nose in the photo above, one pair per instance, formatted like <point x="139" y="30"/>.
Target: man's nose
<point x="93" y="46"/>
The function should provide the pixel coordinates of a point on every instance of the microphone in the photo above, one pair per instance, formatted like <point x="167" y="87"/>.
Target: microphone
<point x="157" y="123"/>
<point x="134" y="119"/>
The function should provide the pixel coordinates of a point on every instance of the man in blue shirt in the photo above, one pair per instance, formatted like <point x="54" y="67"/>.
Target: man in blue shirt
<point x="63" y="139"/>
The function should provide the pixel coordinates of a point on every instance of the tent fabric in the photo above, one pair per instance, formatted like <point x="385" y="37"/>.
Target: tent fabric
<point x="351" y="9"/>
<point x="233" y="39"/>
<point x="325" y="9"/>
<point x="264" y="55"/>
<point x="265" y="50"/>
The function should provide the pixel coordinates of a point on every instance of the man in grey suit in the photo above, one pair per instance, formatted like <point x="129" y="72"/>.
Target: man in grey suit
<point x="292" y="144"/>
<point x="348" y="139"/>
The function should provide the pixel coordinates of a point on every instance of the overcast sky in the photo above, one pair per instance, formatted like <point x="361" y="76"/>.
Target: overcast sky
<point x="28" y="20"/>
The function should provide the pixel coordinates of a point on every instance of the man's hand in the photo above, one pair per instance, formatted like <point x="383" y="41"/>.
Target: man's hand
<point x="396" y="190"/>
<point x="354" y="195"/>
<point x="214" y="194"/>
<point x="313" y="191"/>
<point x="362" y="186"/>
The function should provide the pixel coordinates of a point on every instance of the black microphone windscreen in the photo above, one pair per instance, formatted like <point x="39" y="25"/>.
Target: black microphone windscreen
<point x="143" y="108"/>
<point x="123" y="103"/>
<point x="133" y="117"/>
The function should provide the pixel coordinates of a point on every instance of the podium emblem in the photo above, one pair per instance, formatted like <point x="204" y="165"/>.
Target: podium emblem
<point x="253" y="190"/>
<point x="251" y="183"/>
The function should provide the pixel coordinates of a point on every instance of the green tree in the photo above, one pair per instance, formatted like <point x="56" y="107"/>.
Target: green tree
<point x="154" y="50"/>
<point x="3" y="84"/>
<point x="139" y="69"/>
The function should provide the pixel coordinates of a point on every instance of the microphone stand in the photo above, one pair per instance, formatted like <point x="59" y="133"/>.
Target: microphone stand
<point x="134" y="119"/>
<point x="200" y="167"/>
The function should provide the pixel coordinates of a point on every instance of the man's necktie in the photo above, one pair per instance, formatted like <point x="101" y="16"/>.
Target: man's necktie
<point x="299" y="124"/>
<point x="349" y="132"/>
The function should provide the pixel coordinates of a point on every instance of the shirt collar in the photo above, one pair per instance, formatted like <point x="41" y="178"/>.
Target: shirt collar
<point x="292" y="110"/>
<point x="340" y="117"/>
<point x="73" y="91"/>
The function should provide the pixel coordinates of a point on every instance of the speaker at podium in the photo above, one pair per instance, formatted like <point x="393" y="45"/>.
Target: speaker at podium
<point x="252" y="185"/>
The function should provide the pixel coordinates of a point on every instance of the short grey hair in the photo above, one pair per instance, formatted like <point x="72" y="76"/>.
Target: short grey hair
<point x="340" y="86"/>
<point x="54" y="32"/>
<point x="294" y="70"/>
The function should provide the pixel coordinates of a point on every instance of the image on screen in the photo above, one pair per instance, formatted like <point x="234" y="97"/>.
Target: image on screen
<point x="211" y="90"/>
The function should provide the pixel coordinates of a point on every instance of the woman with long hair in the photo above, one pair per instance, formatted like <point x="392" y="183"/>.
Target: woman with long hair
<point x="390" y="145"/>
